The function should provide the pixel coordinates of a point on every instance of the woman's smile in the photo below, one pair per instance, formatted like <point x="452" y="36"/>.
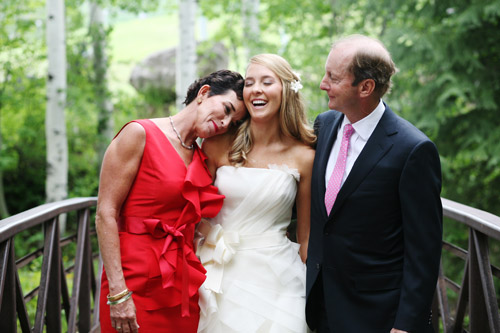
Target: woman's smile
<point x="216" y="128"/>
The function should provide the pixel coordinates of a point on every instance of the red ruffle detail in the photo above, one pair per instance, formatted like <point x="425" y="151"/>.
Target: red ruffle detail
<point x="203" y="198"/>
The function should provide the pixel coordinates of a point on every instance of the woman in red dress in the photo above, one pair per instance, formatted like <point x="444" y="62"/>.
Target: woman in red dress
<point x="154" y="188"/>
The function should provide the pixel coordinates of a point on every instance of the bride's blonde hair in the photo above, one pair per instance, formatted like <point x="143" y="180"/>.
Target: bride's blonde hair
<point x="293" y="119"/>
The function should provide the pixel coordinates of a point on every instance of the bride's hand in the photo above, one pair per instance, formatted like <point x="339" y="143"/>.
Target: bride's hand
<point x="202" y="230"/>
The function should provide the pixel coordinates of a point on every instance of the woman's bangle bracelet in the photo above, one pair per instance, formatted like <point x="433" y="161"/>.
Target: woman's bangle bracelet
<point x="121" y="300"/>
<point x="117" y="296"/>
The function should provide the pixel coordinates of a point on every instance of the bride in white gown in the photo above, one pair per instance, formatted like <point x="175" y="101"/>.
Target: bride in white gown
<point x="255" y="274"/>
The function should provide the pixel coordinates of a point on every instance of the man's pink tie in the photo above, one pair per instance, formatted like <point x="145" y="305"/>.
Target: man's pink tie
<point x="335" y="181"/>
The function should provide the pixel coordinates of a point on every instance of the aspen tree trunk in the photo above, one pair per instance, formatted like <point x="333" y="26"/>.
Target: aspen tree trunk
<point x="97" y="28"/>
<point x="185" y="71"/>
<point x="251" y="30"/>
<point x="56" y="186"/>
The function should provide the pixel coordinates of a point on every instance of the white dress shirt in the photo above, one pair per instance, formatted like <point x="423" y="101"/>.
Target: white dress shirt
<point x="363" y="129"/>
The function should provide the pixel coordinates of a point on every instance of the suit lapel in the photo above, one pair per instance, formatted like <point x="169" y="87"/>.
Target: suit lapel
<point x="377" y="146"/>
<point x="330" y="137"/>
<point x="327" y="138"/>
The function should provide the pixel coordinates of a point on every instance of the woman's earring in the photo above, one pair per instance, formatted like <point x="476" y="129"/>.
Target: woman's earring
<point x="199" y="100"/>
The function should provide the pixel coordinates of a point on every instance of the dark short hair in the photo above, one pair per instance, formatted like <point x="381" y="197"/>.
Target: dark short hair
<point x="220" y="83"/>
<point x="370" y="62"/>
<point x="373" y="65"/>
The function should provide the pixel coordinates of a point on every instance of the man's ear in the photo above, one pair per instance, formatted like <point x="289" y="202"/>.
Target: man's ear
<point x="366" y="88"/>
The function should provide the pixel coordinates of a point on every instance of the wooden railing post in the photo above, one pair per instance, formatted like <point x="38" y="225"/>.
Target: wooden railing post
<point x="95" y="322"/>
<point x="49" y="297"/>
<point x="81" y="283"/>
<point x="483" y="304"/>
<point x="463" y="300"/>
<point x="7" y="288"/>
<point x="440" y="304"/>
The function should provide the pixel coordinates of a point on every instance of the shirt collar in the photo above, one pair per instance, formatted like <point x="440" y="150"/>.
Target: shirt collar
<point x="365" y="127"/>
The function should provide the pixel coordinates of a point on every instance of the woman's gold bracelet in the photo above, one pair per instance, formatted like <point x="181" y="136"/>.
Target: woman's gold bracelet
<point x="121" y="300"/>
<point x="116" y="297"/>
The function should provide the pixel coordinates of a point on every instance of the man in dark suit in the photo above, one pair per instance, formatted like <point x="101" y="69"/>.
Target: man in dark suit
<point x="376" y="225"/>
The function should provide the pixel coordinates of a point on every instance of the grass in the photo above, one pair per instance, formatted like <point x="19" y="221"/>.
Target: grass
<point x="134" y="39"/>
<point x="137" y="38"/>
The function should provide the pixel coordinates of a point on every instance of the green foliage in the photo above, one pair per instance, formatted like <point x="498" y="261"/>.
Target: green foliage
<point x="20" y="85"/>
<point x="22" y="159"/>
<point x="23" y="178"/>
<point x="448" y="53"/>
<point x="136" y="6"/>
<point x="81" y="118"/>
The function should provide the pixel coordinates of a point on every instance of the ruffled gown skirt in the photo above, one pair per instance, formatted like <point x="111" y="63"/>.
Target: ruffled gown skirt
<point x="255" y="278"/>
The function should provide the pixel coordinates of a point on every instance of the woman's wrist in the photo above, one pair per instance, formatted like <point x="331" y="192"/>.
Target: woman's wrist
<point x="116" y="283"/>
<point x="119" y="300"/>
<point x="115" y="297"/>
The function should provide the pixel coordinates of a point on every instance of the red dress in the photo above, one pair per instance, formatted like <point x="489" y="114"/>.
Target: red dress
<point x="156" y="226"/>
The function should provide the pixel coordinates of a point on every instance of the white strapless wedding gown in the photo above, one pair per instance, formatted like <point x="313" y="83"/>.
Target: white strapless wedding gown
<point x="255" y="278"/>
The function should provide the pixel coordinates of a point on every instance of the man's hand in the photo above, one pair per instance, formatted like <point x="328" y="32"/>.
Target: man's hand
<point x="395" y="330"/>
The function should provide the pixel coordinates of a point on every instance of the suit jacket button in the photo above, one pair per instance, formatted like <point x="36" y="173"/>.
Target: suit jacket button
<point x="318" y="266"/>
<point x="326" y="233"/>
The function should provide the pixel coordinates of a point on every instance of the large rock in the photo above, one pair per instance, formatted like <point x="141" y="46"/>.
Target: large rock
<point x="155" y="75"/>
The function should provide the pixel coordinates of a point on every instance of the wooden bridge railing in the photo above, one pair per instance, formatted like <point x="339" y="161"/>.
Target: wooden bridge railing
<point x="475" y="311"/>
<point x="52" y="292"/>
<point x="477" y="299"/>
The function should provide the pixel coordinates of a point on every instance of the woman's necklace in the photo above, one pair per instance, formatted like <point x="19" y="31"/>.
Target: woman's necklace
<point x="179" y="136"/>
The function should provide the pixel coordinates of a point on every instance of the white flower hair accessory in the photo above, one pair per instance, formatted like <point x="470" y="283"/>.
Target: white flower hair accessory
<point x="295" y="85"/>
